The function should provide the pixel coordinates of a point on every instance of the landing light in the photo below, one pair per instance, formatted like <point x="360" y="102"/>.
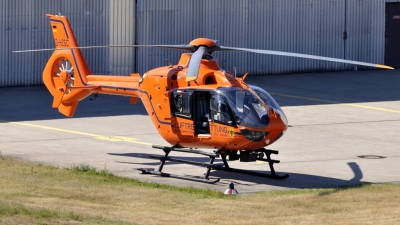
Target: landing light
<point x="255" y="136"/>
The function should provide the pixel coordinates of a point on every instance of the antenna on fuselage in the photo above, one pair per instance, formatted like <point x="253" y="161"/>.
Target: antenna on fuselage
<point x="169" y="62"/>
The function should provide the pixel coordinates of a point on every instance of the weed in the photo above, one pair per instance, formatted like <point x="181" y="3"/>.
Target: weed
<point x="90" y="170"/>
<point x="74" y="216"/>
<point x="12" y="209"/>
<point x="46" y="214"/>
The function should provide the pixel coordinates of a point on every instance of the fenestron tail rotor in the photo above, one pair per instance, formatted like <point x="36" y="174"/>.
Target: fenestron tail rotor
<point x="65" y="66"/>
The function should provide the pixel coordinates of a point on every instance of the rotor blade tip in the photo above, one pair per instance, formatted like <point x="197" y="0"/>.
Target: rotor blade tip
<point x="384" y="67"/>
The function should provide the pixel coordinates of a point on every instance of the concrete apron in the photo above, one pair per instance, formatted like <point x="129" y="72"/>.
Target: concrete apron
<point x="345" y="132"/>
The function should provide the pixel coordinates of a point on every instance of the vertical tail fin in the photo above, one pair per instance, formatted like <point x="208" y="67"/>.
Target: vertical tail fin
<point x="66" y="68"/>
<point x="62" y="32"/>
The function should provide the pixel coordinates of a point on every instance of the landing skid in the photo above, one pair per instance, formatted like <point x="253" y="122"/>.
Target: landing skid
<point x="270" y="161"/>
<point x="210" y="165"/>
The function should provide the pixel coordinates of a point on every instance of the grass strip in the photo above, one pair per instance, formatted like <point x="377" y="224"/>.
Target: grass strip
<point x="38" y="194"/>
<point x="110" y="177"/>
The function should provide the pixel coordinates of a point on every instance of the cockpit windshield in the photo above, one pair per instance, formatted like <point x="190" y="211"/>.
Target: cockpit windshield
<point x="267" y="98"/>
<point x="240" y="105"/>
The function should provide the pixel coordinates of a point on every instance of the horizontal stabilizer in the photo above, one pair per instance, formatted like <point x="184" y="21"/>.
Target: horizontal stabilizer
<point x="68" y="109"/>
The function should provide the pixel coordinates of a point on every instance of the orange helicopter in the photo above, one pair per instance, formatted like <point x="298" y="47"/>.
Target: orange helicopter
<point x="193" y="104"/>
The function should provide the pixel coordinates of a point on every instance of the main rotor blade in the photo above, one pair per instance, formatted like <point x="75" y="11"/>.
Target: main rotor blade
<point x="194" y="64"/>
<point x="178" y="47"/>
<point x="270" y="52"/>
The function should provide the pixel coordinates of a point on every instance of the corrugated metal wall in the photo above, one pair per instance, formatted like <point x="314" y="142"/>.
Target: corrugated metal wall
<point x="307" y="26"/>
<point x="121" y="32"/>
<point x="23" y="25"/>
<point x="366" y="30"/>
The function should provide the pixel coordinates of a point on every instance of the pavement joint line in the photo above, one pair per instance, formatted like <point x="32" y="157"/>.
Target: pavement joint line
<point x="96" y="136"/>
<point x="344" y="123"/>
<point x="334" y="102"/>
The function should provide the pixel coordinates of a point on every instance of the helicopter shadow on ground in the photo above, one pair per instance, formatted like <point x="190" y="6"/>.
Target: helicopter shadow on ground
<point x="34" y="103"/>
<point x="157" y="162"/>
<point x="295" y="180"/>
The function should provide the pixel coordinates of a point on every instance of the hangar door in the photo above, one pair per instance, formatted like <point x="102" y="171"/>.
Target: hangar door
<point x="392" y="45"/>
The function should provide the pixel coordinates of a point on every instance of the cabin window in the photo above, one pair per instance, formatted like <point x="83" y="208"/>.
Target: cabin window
<point x="181" y="104"/>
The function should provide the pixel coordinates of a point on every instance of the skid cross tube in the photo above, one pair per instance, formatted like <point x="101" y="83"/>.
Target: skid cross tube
<point x="164" y="158"/>
<point x="270" y="161"/>
<point x="225" y="167"/>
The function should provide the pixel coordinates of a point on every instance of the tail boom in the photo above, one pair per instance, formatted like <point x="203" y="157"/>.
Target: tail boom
<point x="115" y="85"/>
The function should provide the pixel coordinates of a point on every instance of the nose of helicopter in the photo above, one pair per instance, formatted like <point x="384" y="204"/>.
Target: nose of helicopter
<point x="283" y="118"/>
<point x="282" y="130"/>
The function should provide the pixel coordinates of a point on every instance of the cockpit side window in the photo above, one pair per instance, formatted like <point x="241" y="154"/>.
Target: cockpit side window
<point x="220" y="111"/>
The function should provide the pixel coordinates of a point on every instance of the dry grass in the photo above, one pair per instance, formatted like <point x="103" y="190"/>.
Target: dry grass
<point x="35" y="194"/>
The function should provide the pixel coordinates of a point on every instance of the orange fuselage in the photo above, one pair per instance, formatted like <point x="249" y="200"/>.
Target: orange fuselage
<point x="155" y="92"/>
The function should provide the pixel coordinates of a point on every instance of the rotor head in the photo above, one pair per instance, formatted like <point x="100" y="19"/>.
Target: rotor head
<point x="203" y="42"/>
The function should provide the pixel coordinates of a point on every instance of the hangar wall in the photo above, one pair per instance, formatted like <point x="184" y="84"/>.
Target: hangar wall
<point x="23" y="25"/>
<point x="313" y="27"/>
<point x="349" y="29"/>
